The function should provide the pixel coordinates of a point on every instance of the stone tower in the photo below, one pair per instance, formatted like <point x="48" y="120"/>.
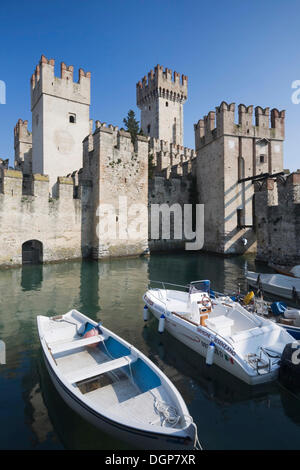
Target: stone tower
<point x="23" y="147"/>
<point x="227" y="153"/>
<point x="118" y="172"/>
<point x="161" y="99"/>
<point x="60" y="119"/>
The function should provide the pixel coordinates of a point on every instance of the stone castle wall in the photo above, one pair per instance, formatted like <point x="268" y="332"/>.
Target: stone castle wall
<point x="277" y="213"/>
<point x="56" y="223"/>
<point x="173" y="181"/>
<point x="118" y="171"/>
<point x="228" y="152"/>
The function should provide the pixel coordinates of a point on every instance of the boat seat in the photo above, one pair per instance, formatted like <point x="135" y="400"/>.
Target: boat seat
<point x="78" y="343"/>
<point x="247" y="334"/>
<point x="89" y="372"/>
<point x="220" y="324"/>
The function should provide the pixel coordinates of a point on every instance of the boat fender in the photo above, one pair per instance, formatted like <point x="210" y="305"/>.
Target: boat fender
<point x="146" y="313"/>
<point x="89" y="332"/>
<point x="210" y="354"/>
<point x="248" y="297"/>
<point x="292" y="313"/>
<point x="289" y="372"/>
<point x="161" y="324"/>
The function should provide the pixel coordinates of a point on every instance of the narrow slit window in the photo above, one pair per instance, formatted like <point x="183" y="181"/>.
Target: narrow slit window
<point x="72" y="118"/>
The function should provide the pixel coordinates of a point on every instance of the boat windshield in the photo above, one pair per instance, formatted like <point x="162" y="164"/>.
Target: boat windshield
<point x="199" y="286"/>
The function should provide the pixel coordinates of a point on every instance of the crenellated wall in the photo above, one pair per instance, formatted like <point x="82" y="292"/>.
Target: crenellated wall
<point x="228" y="152"/>
<point x="61" y="210"/>
<point x="60" y="119"/>
<point x="160" y="99"/>
<point x="277" y="212"/>
<point x="55" y="222"/>
<point x="171" y="159"/>
<point x="119" y="174"/>
<point x="23" y="147"/>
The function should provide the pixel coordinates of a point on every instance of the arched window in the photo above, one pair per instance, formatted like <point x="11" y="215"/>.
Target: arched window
<point x="72" y="118"/>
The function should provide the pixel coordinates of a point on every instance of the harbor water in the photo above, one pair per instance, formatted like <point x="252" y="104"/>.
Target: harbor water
<point x="228" y="413"/>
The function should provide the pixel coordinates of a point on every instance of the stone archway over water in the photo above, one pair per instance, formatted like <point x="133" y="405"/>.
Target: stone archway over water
<point x="32" y="252"/>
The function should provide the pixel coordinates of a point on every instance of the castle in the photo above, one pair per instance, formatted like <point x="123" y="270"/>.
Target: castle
<point x="68" y="167"/>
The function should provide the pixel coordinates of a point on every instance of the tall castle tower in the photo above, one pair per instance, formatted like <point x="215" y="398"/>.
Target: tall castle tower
<point x="60" y="119"/>
<point x="161" y="99"/>
<point x="227" y="154"/>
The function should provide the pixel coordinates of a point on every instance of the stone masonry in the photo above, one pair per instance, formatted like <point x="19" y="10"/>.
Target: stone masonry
<point x="60" y="119"/>
<point x="68" y="178"/>
<point x="277" y="213"/>
<point x="160" y="99"/>
<point x="227" y="153"/>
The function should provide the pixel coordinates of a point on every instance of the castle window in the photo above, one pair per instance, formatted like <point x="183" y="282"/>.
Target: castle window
<point x="167" y="104"/>
<point x="72" y="118"/>
<point x="149" y="108"/>
<point x="262" y="158"/>
<point x="148" y="128"/>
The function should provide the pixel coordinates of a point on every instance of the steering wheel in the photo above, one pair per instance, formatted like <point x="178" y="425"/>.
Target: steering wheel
<point x="206" y="302"/>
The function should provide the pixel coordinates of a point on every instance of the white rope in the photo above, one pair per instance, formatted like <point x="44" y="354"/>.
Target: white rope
<point x="169" y="412"/>
<point x="197" y="445"/>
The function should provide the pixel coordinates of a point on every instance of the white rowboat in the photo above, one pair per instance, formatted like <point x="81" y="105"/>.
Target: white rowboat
<point x="276" y="284"/>
<point x="113" y="385"/>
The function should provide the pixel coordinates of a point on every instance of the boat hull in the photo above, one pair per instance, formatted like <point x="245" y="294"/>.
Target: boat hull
<point x="135" y="437"/>
<point x="294" y="331"/>
<point x="277" y="290"/>
<point x="199" y="341"/>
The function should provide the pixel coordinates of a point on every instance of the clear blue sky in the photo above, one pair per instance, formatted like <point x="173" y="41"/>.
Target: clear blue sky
<point x="237" y="51"/>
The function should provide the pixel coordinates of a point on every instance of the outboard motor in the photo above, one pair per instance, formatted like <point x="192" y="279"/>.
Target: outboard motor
<point x="289" y="372"/>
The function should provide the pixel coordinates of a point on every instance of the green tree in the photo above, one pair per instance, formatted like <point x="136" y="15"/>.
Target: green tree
<point x="132" y="125"/>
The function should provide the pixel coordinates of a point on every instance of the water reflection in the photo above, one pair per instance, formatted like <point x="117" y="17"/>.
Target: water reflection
<point x="112" y="291"/>
<point x="32" y="277"/>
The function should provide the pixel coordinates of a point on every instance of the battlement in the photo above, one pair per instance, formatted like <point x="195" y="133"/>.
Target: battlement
<point x="120" y="137"/>
<point x="284" y="190"/>
<point x="161" y="83"/>
<point x="222" y="122"/>
<point x="14" y="184"/>
<point x="111" y="147"/>
<point x="4" y="163"/>
<point x="171" y="159"/>
<point x="23" y="146"/>
<point x="21" y="132"/>
<point x="43" y="80"/>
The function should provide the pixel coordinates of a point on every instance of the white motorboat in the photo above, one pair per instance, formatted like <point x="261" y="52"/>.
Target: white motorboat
<point x="275" y="284"/>
<point x="220" y="329"/>
<point x="113" y="385"/>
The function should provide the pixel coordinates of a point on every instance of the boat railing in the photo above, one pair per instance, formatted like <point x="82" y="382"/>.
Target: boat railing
<point x="268" y="358"/>
<point x="163" y="284"/>
<point x="160" y="298"/>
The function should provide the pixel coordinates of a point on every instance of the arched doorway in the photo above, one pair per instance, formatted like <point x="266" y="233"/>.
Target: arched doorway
<point x="32" y="252"/>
